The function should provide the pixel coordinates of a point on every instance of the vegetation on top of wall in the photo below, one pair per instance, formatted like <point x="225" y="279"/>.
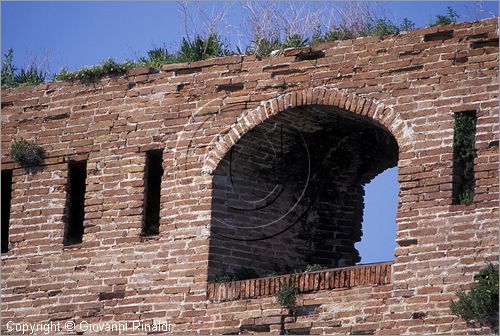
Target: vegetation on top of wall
<point x="263" y="47"/>
<point x="480" y="305"/>
<point x="89" y="74"/>
<point x="245" y="273"/>
<point x="198" y="49"/>
<point x="450" y="17"/>
<point x="242" y="273"/>
<point x="380" y="27"/>
<point x="313" y="268"/>
<point x="10" y="77"/>
<point x="26" y="153"/>
<point x="268" y="37"/>
<point x="202" y="48"/>
<point x="157" y="57"/>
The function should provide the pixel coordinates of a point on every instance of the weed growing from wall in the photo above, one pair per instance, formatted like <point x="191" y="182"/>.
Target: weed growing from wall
<point x="287" y="295"/>
<point x="27" y="154"/>
<point x="480" y="305"/>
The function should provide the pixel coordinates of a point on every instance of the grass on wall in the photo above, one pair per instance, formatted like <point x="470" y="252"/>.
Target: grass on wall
<point x="212" y="45"/>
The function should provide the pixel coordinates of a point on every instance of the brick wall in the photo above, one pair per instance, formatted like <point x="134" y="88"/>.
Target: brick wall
<point x="407" y="86"/>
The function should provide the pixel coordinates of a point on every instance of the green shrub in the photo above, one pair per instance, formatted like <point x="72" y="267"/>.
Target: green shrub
<point x="8" y="70"/>
<point x="31" y="75"/>
<point x="466" y="196"/>
<point x="202" y="48"/>
<point x="263" y="47"/>
<point x="294" y="41"/>
<point x="407" y="25"/>
<point x="382" y="27"/>
<point x="27" y="154"/>
<point x="157" y="57"/>
<point x="197" y="50"/>
<point x="287" y="295"/>
<point x="334" y="35"/>
<point x="481" y="303"/>
<point x="450" y="17"/>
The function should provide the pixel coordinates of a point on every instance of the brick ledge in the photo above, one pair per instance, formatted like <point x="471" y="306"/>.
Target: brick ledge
<point x="335" y="278"/>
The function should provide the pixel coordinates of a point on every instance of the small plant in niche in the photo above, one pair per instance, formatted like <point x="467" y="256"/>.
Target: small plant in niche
<point x="26" y="153"/>
<point x="243" y="273"/>
<point x="287" y="295"/>
<point x="480" y="305"/>
<point x="313" y="268"/>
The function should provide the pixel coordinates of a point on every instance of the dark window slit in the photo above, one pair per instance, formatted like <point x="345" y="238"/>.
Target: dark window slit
<point x="464" y="152"/>
<point x="152" y="192"/>
<point x="75" y="202"/>
<point x="6" y="202"/>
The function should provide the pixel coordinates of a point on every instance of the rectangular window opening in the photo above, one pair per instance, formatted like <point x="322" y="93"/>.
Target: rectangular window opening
<point x="6" y="201"/>
<point x="152" y="192"/>
<point x="75" y="202"/>
<point x="464" y="152"/>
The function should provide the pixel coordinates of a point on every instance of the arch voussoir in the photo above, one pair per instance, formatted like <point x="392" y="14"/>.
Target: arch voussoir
<point x="350" y="102"/>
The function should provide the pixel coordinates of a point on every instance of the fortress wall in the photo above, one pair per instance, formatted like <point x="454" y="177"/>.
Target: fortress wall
<point x="411" y="85"/>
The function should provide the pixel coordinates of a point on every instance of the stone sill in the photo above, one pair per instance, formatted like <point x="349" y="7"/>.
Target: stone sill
<point x="335" y="278"/>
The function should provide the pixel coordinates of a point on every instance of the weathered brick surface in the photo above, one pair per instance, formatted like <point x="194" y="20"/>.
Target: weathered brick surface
<point x="410" y="85"/>
<point x="376" y="274"/>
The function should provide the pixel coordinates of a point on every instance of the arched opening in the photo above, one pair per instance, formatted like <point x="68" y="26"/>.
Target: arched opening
<point x="290" y="192"/>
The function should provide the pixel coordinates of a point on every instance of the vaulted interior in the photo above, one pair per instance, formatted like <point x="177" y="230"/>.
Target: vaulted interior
<point x="290" y="191"/>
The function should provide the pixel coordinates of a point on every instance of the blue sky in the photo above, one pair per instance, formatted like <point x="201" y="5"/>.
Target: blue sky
<point x="379" y="218"/>
<point x="75" y="34"/>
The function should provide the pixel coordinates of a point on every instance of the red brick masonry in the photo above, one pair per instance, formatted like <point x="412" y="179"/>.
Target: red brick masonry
<point x="346" y="277"/>
<point x="408" y="87"/>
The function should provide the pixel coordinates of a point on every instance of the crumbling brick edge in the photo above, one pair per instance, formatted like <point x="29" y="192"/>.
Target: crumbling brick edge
<point x="335" y="278"/>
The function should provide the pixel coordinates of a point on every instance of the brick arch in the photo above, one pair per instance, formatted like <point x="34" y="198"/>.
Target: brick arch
<point x="383" y="115"/>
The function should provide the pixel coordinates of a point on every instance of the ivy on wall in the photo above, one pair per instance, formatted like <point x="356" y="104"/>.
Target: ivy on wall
<point x="464" y="152"/>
